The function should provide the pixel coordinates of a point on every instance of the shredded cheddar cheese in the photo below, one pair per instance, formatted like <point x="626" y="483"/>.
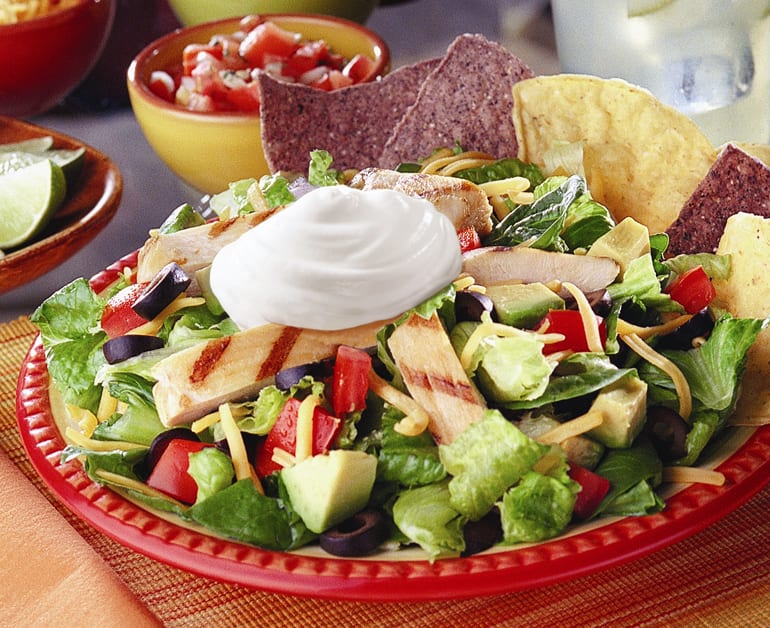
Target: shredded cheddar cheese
<point x="625" y="328"/>
<point x="108" y="405"/>
<point x="241" y="464"/>
<point x="150" y="328"/>
<point x="205" y="422"/>
<point x="590" y="324"/>
<point x="304" y="445"/>
<point x="282" y="457"/>
<point x="135" y="485"/>
<point x="643" y="350"/>
<point x="416" y="419"/>
<point x="76" y="438"/>
<point x="573" y="427"/>
<point x="693" y="475"/>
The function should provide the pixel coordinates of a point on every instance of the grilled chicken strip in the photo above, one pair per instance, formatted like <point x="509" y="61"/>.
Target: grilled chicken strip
<point x="192" y="248"/>
<point x="434" y="377"/>
<point x="463" y="202"/>
<point x="195" y="381"/>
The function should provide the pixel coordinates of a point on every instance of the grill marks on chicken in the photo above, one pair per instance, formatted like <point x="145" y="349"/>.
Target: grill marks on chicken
<point x="434" y="376"/>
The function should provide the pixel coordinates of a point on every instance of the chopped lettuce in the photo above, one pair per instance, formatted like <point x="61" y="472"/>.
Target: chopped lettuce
<point x="513" y="368"/>
<point x="633" y="474"/>
<point x="320" y="171"/>
<point x="507" y="454"/>
<point x="241" y="512"/>
<point x="212" y="471"/>
<point x="537" y="508"/>
<point x="426" y="516"/>
<point x="407" y="460"/>
<point x="562" y="217"/>
<point x="503" y="169"/>
<point x="69" y="327"/>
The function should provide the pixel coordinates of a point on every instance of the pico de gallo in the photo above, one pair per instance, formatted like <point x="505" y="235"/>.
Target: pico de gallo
<point x="220" y="75"/>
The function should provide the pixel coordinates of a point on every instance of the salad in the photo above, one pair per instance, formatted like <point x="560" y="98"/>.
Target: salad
<point x="502" y="409"/>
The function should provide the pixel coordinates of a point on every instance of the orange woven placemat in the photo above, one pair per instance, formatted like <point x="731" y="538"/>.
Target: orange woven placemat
<point x="719" y="577"/>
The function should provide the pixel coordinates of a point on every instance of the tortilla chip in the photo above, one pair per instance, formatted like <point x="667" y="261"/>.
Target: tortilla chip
<point x="736" y="182"/>
<point x="352" y="123"/>
<point x="642" y="158"/>
<point x="746" y="239"/>
<point x="467" y="99"/>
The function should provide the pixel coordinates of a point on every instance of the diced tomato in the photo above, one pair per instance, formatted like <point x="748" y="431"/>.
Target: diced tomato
<point x="162" y="85"/>
<point x="569" y="323"/>
<point x="170" y="474"/>
<point x="308" y="56"/>
<point x="284" y="435"/>
<point x="331" y="80"/>
<point x="350" y="381"/>
<point x="119" y="317"/>
<point x="193" y="54"/>
<point x="244" y="98"/>
<point x="593" y="489"/>
<point x="358" y="68"/>
<point x="692" y="289"/>
<point x="469" y="239"/>
<point x="267" y="40"/>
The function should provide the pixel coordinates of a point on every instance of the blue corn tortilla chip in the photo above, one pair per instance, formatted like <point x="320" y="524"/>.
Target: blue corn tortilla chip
<point x="736" y="182"/>
<point x="467" y="99"/>
<point x="352" y="123"/>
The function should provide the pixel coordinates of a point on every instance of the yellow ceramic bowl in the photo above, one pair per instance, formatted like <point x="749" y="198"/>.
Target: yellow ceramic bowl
<point x="210" y="150"/>
<point x="192" y="12"/>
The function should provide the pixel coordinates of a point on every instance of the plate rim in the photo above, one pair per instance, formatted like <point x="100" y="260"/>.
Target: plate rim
<point x="695" y="507"/>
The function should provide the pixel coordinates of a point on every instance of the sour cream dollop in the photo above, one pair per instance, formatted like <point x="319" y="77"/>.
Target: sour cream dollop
<point x="337" y="258"/>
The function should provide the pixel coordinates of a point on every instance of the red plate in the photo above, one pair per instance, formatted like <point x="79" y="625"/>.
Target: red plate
<point x="743" y="457"/>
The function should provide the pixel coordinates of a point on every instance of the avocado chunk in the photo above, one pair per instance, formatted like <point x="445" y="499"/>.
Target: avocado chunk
<point x="203" y="277"/>
<point x="623" y="243"/>
<point x="580" y="450"/>
<point x="523" y="305"/>
<point x="623" y="406"/>
<point x="328" y="488"/>
<point x="183" y="217"/>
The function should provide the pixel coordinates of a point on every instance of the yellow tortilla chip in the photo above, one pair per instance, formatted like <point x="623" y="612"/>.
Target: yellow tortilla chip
<point x="746" y="239"/>
<point x="630" y="142"/>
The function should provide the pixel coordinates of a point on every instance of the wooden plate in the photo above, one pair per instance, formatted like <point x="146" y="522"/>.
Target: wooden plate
<point x="85" y="212"/>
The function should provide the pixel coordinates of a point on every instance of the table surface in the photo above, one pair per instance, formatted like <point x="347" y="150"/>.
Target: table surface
<point x="719" y="577"/>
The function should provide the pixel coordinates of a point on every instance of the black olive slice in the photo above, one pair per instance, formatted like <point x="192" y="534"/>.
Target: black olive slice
<point x="289" y="377"/>
<point x="470" y="305"/>
<point x="667" y="432"/>
<point x="167" y="285"/>
<point x="123" y="347"/>
<point x="482" y="534"/>
<point x="358" y="535"/>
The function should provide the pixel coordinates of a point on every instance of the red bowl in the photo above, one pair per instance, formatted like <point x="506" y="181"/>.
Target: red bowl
<point x="44" y="59"/>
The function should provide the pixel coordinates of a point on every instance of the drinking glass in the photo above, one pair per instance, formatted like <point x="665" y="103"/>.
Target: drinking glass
<point x="708" y="58"/>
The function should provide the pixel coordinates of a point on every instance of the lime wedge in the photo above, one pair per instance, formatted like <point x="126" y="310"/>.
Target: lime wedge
<point x="31" y="145"/>
<point x="70" y="160"/>
<point x="28" y="199"/>
<point x="638" y="8"/>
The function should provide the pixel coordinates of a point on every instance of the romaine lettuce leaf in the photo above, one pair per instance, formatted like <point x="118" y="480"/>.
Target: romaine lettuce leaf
<point x="426" y="516"/>
<point x="408" y="460"/>
<point x="537" y="508"/>
<point x="242" y="513"/>
<point x="487" y="458"/>
<point x="212" y="471"/>
<point x="69" y="327"/>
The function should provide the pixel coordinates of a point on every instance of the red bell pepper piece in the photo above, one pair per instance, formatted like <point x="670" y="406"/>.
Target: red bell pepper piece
<point x="593" y="489"/>
<point x="469" y="239"/>
<point x="692" y="289"/>
<point x="119" y="317"/>
<point x="170" y="474"/>
<point x="283" y="434"/>
<point x="569" y="323"/>
<point x="350" y="382"/>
